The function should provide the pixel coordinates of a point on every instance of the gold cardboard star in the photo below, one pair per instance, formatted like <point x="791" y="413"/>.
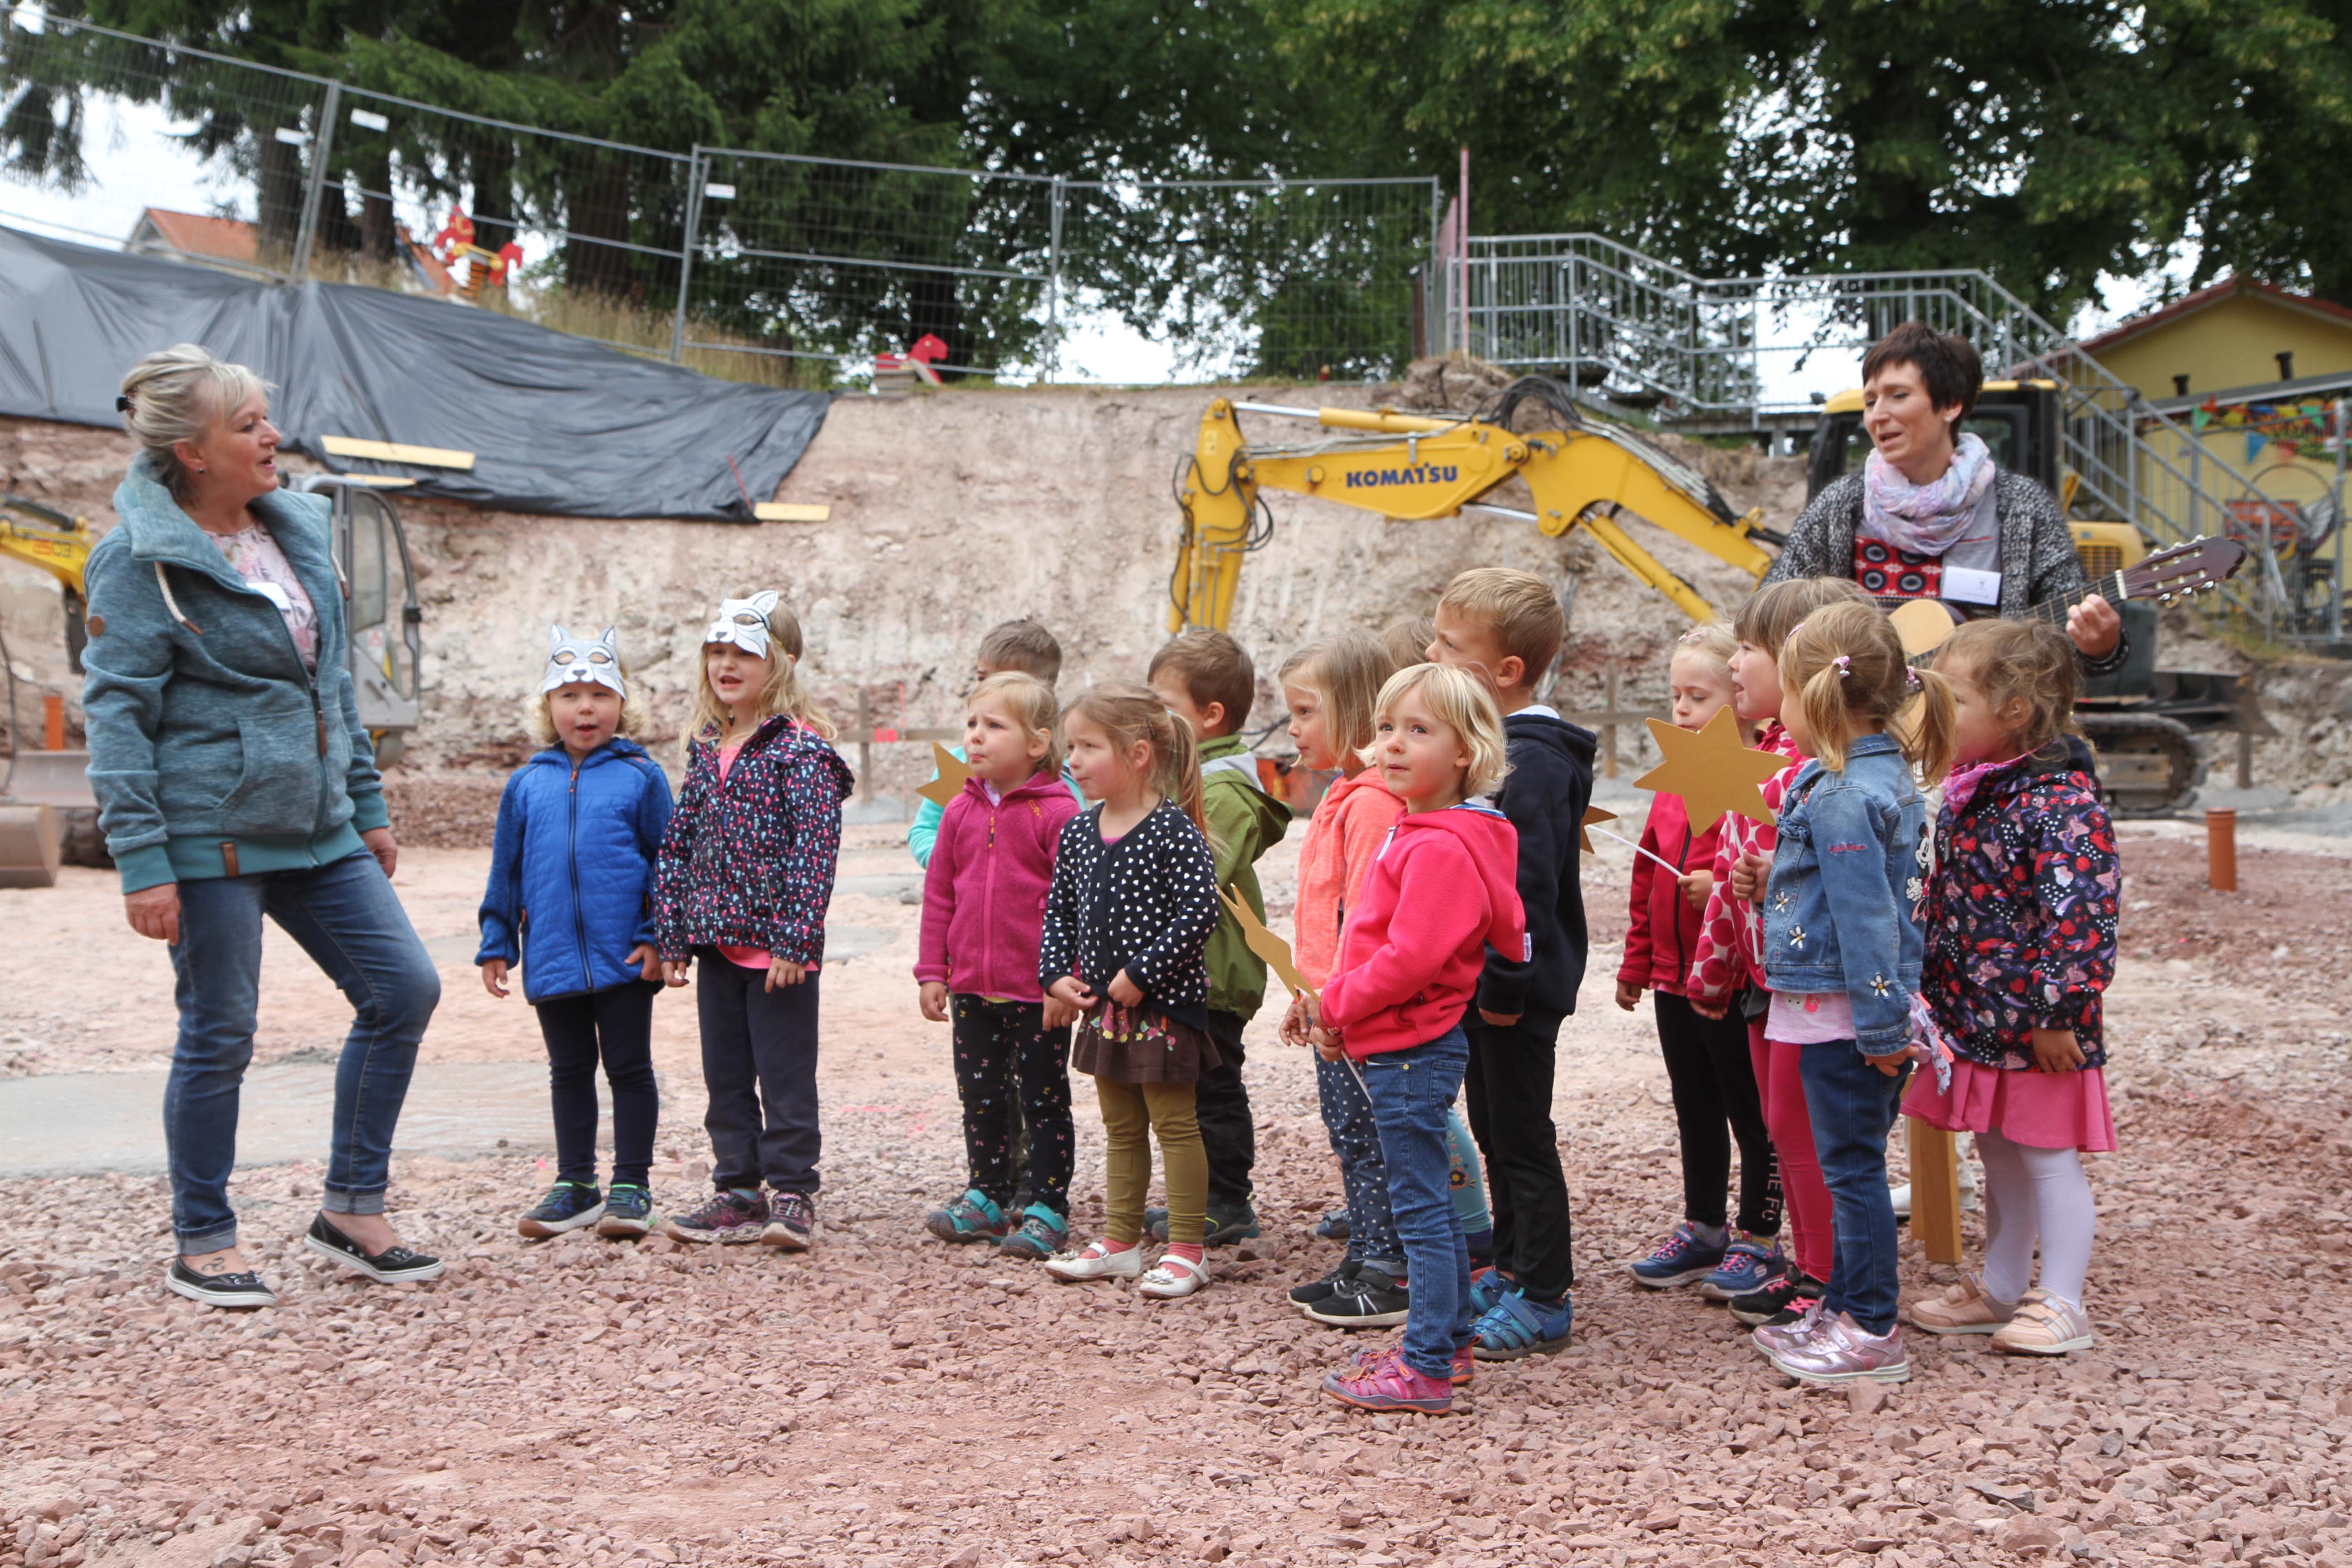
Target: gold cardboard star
<point x="1265" y="944"/>
<point x="1922" y="626"/>
<point x="949" y="783"/>
<point x="1592" y="813"/>
<point x="1712" y="770"/>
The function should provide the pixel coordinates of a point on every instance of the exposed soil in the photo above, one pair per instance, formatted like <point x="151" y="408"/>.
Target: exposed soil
<point x="889" y="1400"/>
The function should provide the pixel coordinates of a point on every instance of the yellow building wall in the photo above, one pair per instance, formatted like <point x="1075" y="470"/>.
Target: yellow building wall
<point x="2229" y="343"/>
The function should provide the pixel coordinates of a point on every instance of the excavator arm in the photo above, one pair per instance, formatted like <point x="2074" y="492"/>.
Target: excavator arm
<point x="1417" y="467"/>
<point x="58" y="545"/>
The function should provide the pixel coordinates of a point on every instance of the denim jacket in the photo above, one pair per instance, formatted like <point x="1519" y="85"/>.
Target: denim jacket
<point x="1843" y="910"/>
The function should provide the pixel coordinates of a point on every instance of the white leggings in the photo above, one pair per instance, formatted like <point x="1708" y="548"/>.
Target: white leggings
<point x="2035" y="1193"/>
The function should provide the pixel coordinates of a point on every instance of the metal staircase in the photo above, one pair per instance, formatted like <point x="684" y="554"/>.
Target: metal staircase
<point x="1720" y="354"/>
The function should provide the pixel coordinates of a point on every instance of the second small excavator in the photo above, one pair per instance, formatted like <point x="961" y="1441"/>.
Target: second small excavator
<point x="1581" y="471"/>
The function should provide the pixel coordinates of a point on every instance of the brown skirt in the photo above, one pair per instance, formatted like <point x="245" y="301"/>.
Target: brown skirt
<point x="1131" y="1045"/>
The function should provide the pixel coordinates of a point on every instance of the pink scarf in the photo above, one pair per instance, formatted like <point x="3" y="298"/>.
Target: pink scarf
<point x="1926" y="520"/>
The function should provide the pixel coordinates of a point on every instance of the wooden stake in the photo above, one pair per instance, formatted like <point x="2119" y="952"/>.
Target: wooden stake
<point x="1935" y="1191"/>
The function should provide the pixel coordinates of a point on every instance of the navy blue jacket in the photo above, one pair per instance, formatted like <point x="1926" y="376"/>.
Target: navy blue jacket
<point x="571" y="868"/>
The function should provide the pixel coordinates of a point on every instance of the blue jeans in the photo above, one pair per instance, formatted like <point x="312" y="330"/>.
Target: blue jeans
<point x="1410" y="1090"/>
<point x="1853" y="1106"/>
<point x="347" y="918"/>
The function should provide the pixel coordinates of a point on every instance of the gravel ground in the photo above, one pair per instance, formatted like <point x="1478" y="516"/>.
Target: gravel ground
<point x="890" y="1401"/>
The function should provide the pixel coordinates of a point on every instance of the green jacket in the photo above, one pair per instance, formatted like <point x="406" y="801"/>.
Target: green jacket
<point x="1245" y="822"/>
<point x="212" y="750"/>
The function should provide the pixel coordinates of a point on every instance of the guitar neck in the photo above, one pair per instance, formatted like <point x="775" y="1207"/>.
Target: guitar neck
<point x="2111" y="587"/>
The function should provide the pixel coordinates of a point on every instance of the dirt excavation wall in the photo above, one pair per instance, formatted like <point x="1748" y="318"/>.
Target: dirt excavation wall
<point x="952" y="510"/>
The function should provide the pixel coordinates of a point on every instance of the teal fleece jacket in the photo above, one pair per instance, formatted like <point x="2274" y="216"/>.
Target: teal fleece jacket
<point x="211" y="747"/>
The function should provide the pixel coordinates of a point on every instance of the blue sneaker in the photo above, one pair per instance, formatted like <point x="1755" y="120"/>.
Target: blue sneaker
<point x="1043" y="1233"/>
<point x="1683" y="1258"/>
<point x="972" y="1217"/>
<point x="1517" y="1326"/>
<point x="628" y="1212"/>
<point x="568" y="1205"/>
<point x="1487" y="1286"/>
<point x="1749" y="1263"/>
<point x="1333" y="1226"/>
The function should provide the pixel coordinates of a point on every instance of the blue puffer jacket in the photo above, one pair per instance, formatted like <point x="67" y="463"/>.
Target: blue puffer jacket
<point x="571" y="868"/>
<point x="1844" y="907"/>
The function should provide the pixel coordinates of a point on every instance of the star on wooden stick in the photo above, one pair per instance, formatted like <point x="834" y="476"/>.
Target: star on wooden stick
<point x="1712" y="770"/>
<point x="1265" y="944"/>
<point x="1593" y="814"/>
<point x="949" y="782"/>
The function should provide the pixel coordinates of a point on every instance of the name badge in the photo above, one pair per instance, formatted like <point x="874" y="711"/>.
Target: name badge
<point x="1970" y="587"/>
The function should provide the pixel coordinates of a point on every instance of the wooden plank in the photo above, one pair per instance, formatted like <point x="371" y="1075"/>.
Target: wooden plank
<point x="791" y="512"/>
<point x="395" y="452"/>
<point x="380" y="481"/>
<point x="1935" y="1191"/>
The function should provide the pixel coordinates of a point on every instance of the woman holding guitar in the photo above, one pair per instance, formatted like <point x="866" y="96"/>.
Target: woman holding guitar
<point x="1930" y="518"/>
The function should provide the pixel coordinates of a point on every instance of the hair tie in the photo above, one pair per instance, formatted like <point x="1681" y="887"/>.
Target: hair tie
<point x="123" y="403"/>
<point x="1844" y="663"/>
<point x="1692" y="635"/>
<point x="1910" y="677"/>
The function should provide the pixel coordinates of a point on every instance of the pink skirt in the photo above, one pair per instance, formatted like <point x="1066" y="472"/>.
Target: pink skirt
<point x="2040" y="1110"/>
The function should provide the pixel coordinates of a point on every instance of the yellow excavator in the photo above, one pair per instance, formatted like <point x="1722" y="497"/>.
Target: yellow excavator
<point x="1581" y="471"/>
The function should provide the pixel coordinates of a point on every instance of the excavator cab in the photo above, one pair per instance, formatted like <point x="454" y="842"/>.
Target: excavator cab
<point x="381" y="610"/>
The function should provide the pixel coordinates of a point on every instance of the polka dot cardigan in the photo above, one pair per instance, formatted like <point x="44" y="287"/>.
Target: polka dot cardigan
<point x="1146" y="904"/>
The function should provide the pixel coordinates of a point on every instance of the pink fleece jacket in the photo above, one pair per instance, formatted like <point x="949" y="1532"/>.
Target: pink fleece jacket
<point x="1440" y="891"/>
<point x="1349" y="824"/>
<point x="984" y="890"/>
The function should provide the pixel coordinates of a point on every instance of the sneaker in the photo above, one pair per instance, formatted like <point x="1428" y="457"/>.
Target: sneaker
<point x="1096" y="1261"/>
<point x="1305" y="1296"/>
<point x="2045" y="1325"/>
<point x="1962" y="1308"/>
<point x="1389" y="1382"/>
<point x="972" y="1217"/>
<point x="1685" y="1257"/>
<point x="1839" y="1350"/>
<point x="628" y="1212"/>
<point x="1761" y="1306"/>
<point x="1749" y="1263"/>
<point x="1043" y="1233"/>
<point x="240" y="1290"/>
<point x="394" y="1265"/>
<point x="791" y="1222"/>
<point x="568" y="1205"/>
<point x="730" y="1217"/>
<point x="1517" y="1326"/>
<point x="1223" y="1225"/>
<point x="1333" y="1226"/>
<point x="1487" y="1286"/>
<point x="1466" y="1364"/>
<point x="1372" y="1299"/>
<point x="1772" y="1337"/>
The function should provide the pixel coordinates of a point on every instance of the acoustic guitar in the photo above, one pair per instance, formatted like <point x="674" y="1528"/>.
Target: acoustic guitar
<point x="2198" y="566"/>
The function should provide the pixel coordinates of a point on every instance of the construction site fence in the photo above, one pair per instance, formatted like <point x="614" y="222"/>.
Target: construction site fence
<point x="1717" y="355"/>
<point x="810" y="266"/>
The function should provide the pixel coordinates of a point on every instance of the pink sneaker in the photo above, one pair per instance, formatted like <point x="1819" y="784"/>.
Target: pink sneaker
<point x="1389" y="1382"/>
<point x="1465" y="1362"/>
<point x="1772" y="1338"/>
<point x="1840" y="1351"/>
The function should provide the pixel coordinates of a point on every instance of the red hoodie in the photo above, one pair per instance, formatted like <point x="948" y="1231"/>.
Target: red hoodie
<point x="1443" y="889"/>
<point x="1663" y="938"/>
<point x="984" y="890"/>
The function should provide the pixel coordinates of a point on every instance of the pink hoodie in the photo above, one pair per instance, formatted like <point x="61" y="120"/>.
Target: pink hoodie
<point x="1349" y="824"/>
<point x="984" y="892"/>
<point x="1442" y="890"/>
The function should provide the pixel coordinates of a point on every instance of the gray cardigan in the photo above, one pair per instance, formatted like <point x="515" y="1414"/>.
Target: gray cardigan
<point x="2037" y="553"/>
<point x="213" y="751"/>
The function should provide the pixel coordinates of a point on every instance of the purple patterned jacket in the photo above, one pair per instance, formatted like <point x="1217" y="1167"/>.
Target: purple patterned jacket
<point x="2021" y="913"/>
<point x="749" y="863"/>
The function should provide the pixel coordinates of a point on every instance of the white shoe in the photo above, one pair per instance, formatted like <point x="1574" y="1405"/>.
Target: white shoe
<point x="1173" y="1276"/>
<point x="1095" y="1261"/>
<point x="1901" y="1196"/>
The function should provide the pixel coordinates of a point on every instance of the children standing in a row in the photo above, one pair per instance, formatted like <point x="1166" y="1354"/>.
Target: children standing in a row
<point x="1209" y="683"/>
<point x="1133" y="901"/>
<point x="746" y="872"/>
<point x="579" y="825"/>
<point x="1506" y="627"/>
<point x="990" y="867"/>
<point x="1708" y="1070"/>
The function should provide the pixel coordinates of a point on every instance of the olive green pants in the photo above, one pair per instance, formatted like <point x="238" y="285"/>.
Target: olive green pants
<point x="1132" y="1113"/>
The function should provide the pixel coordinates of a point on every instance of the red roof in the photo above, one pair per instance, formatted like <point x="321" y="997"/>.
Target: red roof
<point x="2212" y="293"/>
<point x="192" y="234"/>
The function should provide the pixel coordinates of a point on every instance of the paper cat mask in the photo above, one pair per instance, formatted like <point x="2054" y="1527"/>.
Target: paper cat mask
<point x="571" y="658"/>
<point x="744" y="623"/>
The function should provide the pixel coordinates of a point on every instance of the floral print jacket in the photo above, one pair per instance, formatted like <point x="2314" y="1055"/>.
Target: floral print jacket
<point x="749" y="862"/>
<point x="2021" y="912"/>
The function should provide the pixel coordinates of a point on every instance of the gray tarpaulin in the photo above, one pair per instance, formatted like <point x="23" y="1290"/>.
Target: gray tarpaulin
<point x="557" y="423"/>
